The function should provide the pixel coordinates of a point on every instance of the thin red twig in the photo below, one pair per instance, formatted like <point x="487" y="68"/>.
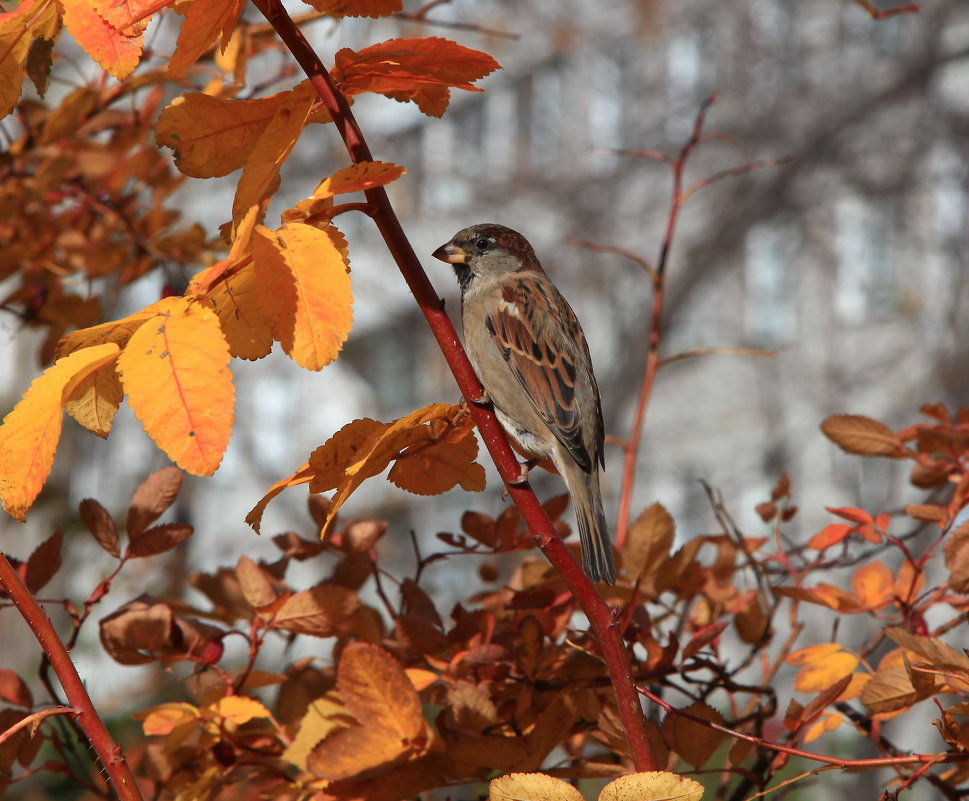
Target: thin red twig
<point x="655" y="325"/>
<point x="598" y="613"/>
<point x="35" y="720"/>
<point x="912" y="8"/>
<point x="108" y="751"/>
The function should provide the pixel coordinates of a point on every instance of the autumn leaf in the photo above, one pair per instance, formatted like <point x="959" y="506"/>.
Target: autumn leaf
<point x="175" y="372"/>
<point x="302" y="281"/>
<point x="101" y="525"/>
<point x="693" y="741"/>
<point x="212" y="136"/>
<point x="115" y="50"/>
<point x="957" y="559"/>
<point x="648" y="543"/>
<point x="30" y="433"/>
<point x="33" y="18"/>
<point x="358" y="8"/>
<point x="874" y="585"/>
<point x="301" y="476"/>
<point x="358" y="177"/>
<point x="446" y="461"/>
<point x="116" y="331"/>
<point x="420" y="70"/>
<point x="377" y="692"/>
<point x="206" y="21"/>
<point x="97" y="399"/>
<point x="862" y="435"/>
<point x="532" y="787"/>
<point x="318" y="611"/>
<point x="654" y="785"/>
<point x="823" y="665"/>
<point x="272" y="147"/>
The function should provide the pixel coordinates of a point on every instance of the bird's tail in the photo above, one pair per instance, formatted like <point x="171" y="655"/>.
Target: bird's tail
<point x="597" y="559"/>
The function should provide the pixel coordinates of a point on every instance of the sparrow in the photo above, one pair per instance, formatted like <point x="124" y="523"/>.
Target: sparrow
<point x="530" y="354"/>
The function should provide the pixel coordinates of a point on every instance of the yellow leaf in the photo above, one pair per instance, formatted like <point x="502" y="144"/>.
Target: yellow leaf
<point x="96" y="399"/>
<point x="657" y="785"/>
<point x="14" y="43"/>
<point x="315" y="725"/>
<point x="823" y="664"/>
<point x="358" y="8"/>
<point x="305" y="289"/>
<point x="273" y="146"/>
<point x="29" y="434"/>
<point x="531" y="787"/>
<point x="829" y="721"/>
<point x="165" y="717"/>
<point x="239" y="709"/>
<point x="175" y="372"/>
<point x="206" y="21"/>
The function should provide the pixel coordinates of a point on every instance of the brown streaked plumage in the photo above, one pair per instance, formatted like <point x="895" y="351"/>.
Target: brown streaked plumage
<point x="529" y="351"/>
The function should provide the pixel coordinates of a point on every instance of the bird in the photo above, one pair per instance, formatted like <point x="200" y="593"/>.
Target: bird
<point x="531" y="356"/>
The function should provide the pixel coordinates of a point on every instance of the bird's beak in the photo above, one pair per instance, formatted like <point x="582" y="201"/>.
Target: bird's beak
<point x="451" y="253"/>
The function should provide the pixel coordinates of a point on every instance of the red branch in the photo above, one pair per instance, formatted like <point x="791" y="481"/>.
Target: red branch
<point x="655" y="324"/>
<point x="596" y="610"/>
<point x="108" y="751"/>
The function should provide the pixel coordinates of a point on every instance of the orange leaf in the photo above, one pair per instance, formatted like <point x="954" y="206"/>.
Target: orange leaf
<point x="116" y="331"/>
<point x="874" y="584"/>
<point x="303" y="284"/>
<point x="15" y="38"/>
<point x="212" y="136"/>
<point x="301" y="476"/>
<point x="275" y="143"/>
<point x="115" y="50"/>
<point x="856" y="516"/>
<point x="430" y="469"/>
<point x="413" y="69"/>
<point x="377" y="692"/>
<point x="354" y="462"/>
<point x="823" y="666"/>
<point x="649" y="542"/>
<point x="96" y="400"/>
<point x="175" y="371"/>
<point x="358" y="177"/>
<point x="29" y="434"/>
<point x="318" y="611"/>
<point x="358" y="8"/>
<point x="831" y="534"/>
<point x="862" y="435"/>
<point x="829" y="721"/>
<point x="206" y="21"/>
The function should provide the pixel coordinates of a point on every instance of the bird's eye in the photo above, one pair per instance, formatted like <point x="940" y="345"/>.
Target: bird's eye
<point x="482" y="243"/>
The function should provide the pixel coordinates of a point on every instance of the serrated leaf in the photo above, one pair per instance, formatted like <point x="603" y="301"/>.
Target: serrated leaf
<point x="304" y="286"/>
<point x="175" y="372"/>
<point x="30" y="433"/>
<point x="159" y="539"/>
<point x="318" y="611"/>
<point x="531" y="787"/>
<point x="115" y="50"/>
<point x="652" y="786"/>
<point x="44" y="562"/>
<point x="205" y="22"/>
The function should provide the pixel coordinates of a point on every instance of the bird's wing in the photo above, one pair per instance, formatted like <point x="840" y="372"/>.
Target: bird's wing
<point x="547" y="366"/>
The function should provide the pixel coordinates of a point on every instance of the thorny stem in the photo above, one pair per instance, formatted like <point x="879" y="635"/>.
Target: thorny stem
<point x="598" y="613"/>
<point x="108" y="751"/>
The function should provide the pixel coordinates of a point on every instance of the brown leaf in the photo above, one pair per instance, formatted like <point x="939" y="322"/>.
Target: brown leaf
<point x="158" y="539"/>
<point x="862" y="435"/>
<point x="295" y="547"/>
<point x="14" y="690"/>
<point x="318" y="611"/>
<point x="957" y="559"/>
<point x="257" y="586"/>
<point x="648" y="543"/>
<point x="44" y="562"/>
<point x="927" y="512"/>
<point x="418" y="636"/>
<point x="153" y="497"/>
<point x="135" y="633"/>
<point x="889" y="690"/>
<point x="101" y="525"/>
<point x="937" y="653"/>
<point x="694" y="742"/>
<point x="470" y="707"/>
